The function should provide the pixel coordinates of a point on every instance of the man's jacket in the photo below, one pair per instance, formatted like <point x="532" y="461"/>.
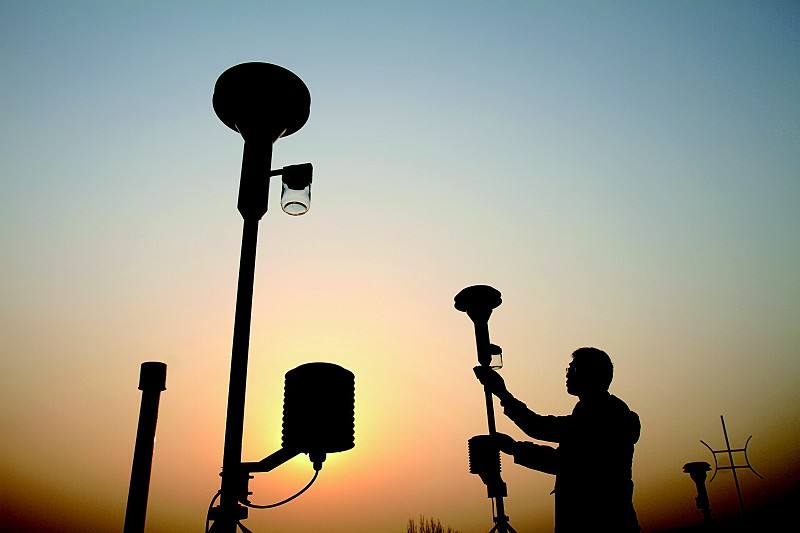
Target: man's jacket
<point x="592" y="464"/>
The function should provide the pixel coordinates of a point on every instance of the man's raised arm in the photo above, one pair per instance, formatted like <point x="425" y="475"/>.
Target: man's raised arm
<point x="549" y="428"/>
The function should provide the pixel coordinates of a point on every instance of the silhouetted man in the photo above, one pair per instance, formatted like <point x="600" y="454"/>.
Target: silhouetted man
<point x="592" y="464"/>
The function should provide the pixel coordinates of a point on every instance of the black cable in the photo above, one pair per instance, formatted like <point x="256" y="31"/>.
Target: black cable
<point x="210" y="505"/>
<point x="287" y="500"/>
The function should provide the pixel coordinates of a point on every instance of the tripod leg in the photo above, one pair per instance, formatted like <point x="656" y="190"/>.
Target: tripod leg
<point x="502" y="526"/>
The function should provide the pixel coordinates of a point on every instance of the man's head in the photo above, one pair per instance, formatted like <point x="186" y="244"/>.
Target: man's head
<point x="589" y="371"/>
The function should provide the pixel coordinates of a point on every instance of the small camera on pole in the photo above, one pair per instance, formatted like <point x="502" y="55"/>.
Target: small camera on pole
<point x="478" y="302"/>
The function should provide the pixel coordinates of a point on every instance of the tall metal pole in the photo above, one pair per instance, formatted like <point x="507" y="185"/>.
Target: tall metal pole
<point x="262" y="102"/>
<point x="152" y="380"/>
<point x="253" y="192"/>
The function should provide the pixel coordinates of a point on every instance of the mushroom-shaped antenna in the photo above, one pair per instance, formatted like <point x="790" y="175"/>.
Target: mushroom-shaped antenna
<point x="261" y="101"/>
<point x="478" y="301"/>
<point x="697" y="470"/>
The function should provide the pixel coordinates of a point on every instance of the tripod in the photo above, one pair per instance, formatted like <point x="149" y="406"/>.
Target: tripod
<point x="501" y="525"/>
<point x="478" y="301"/>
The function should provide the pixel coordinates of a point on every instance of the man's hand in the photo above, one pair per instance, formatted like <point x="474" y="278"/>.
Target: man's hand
<point x="505" y="443"/>
<point x="492" y="381"/>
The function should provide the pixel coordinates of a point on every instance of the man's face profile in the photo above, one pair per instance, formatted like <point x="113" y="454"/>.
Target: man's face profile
<point x="573" y="381"/>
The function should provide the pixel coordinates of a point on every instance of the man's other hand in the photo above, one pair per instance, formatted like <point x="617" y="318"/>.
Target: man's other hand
<point x="491" y="380"/>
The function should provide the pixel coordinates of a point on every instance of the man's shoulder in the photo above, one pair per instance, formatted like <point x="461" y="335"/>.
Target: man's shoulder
<point x="617" y="403"/>
<point x="628" y="419"/>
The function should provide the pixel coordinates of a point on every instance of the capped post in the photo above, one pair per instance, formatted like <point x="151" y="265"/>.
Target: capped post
<point x="152" y="381"/>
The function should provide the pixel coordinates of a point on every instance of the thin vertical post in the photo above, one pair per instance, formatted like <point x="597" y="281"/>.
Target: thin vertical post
<point x="152" y="380"/>
<point x="484" y="357"/>
<point x="733" y="470"/>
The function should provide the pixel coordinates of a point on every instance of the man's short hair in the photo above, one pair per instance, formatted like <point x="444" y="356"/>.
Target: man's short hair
<point x="596" y="363"/>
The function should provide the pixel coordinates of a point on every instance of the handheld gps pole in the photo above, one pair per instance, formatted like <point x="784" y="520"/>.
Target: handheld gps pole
<point x="478" y="301"/>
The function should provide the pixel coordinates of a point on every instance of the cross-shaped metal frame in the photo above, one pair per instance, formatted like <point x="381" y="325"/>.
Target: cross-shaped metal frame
<point x="733" y="467"/>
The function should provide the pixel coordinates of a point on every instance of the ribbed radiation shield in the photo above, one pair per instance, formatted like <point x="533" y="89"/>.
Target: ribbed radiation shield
<point x="484" y="456"/>
<point x="319" y="408"/>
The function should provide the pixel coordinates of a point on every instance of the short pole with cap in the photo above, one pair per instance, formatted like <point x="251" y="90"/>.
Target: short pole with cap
<point x="697" y="471"/>
<point x="152" y="380"/>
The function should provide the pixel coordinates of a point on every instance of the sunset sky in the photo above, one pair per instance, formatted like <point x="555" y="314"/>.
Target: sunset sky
<point x="627" y="174"/>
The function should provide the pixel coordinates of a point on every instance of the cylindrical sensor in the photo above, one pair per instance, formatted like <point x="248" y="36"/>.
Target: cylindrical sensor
<point x="295" y="202"/>
<point x="296" y="190"/>
<point x="497" y="357"/>
<point x="319" y="409"/>
<point x="484" y="456"/>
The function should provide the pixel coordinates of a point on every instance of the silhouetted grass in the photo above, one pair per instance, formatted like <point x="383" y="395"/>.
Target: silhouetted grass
<point x="428" y="526"/>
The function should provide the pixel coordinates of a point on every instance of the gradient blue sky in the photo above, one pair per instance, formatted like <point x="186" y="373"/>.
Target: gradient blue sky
<point x="627" y="173"/>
